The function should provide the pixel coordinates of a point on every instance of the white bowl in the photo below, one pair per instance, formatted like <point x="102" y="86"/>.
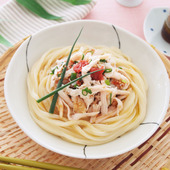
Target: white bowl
<point x="94" y="33"/>
<point x="152" y="29"/>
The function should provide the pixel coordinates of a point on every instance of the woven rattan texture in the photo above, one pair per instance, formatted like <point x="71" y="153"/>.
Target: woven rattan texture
<point x="153" y="154"/>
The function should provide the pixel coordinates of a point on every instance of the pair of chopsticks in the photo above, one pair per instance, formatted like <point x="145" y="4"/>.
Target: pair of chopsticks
<point x="7" y="163"/>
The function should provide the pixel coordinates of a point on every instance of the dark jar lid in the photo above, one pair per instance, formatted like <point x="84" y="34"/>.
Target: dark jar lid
<point x="166" y="30"/>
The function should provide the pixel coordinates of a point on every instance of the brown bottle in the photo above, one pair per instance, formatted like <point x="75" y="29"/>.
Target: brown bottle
<point x="166" y="30"/>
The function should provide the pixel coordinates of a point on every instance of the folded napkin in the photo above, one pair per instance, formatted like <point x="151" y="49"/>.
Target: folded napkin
<point x="17" y="22"/>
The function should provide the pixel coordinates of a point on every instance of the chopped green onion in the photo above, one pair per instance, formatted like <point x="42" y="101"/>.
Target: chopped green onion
<point x="75" y="86"/>
<point x="124" y="81"/>
<point x="89" y="91"/>
<point x="108" y="70"/>
<point x="110" y="98"/>
<point x="103" y="60"/>
<point x="54" y="100"/>
<point x="65" y="85"/>
<point x="73" y="76"/>
<point x="107" y="81"/>
<point x="58" y="74"/>
<point x="75" y="62"/>
<point x="120" y="67"/>
<point x="86" y="91"/>
<point x="83" y="57"/>
<point x="53" y="70"/>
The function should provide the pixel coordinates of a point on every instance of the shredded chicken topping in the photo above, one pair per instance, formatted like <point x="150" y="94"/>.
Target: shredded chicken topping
<point x="97" y="96"/>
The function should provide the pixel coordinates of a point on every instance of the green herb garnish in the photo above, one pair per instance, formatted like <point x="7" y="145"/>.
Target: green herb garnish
<point x="75" y="86"/>
<point x="120" y="67"/>
<point x="103" y="60"/>
<point x="110" y="98"/>
<point x="58" y="74"/>
<point x="86" y="91"/>
<point x="107" y="81"/>
<point x="73" y="76"/>
<point x="108" y="70"/>
<point x="65" y="85"/>
<point x="83" y="57"/>
<point x="75" y="62"/>
<point x="53" y="70"/>
<point x="124" y="81"/>
<point x="54" y="100"/>
<point x="37" y="9"/>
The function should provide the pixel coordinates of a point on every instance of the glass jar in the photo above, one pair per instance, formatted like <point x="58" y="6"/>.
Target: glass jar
<point x="166" y="30"/>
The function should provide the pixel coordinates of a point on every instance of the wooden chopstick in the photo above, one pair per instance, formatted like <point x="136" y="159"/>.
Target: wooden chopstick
<point x="13" y="167"/>
<point x="34" y="164"/>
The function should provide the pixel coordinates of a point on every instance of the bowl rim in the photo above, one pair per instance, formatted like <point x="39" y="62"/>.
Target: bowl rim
<point x="77" y="155"/>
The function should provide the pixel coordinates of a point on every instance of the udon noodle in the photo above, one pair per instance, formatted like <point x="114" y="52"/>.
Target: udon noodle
<point x="96" y="109"/>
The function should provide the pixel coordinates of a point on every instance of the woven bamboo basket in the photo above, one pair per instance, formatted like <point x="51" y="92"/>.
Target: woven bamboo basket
<point x="153" y="154"/>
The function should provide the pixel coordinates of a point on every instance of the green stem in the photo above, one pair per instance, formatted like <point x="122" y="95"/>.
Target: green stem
<point x="52" y="107"/>
<point x="62" y="87"/>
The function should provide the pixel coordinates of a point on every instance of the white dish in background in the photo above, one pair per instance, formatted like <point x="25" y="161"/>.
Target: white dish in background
<point x="94" y="33"/>
<point x="152" y="29"/>
<point x="131" y="3"/>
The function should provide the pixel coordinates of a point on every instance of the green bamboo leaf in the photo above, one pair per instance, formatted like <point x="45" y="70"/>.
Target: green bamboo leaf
<point x="37" y="9"/>
<point x="4" y="41"/>
<point x="78" y="2"/>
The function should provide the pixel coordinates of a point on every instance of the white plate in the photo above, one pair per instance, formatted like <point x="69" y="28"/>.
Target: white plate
<point x="152" y="29"/>
<point x="94" y="33"/>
